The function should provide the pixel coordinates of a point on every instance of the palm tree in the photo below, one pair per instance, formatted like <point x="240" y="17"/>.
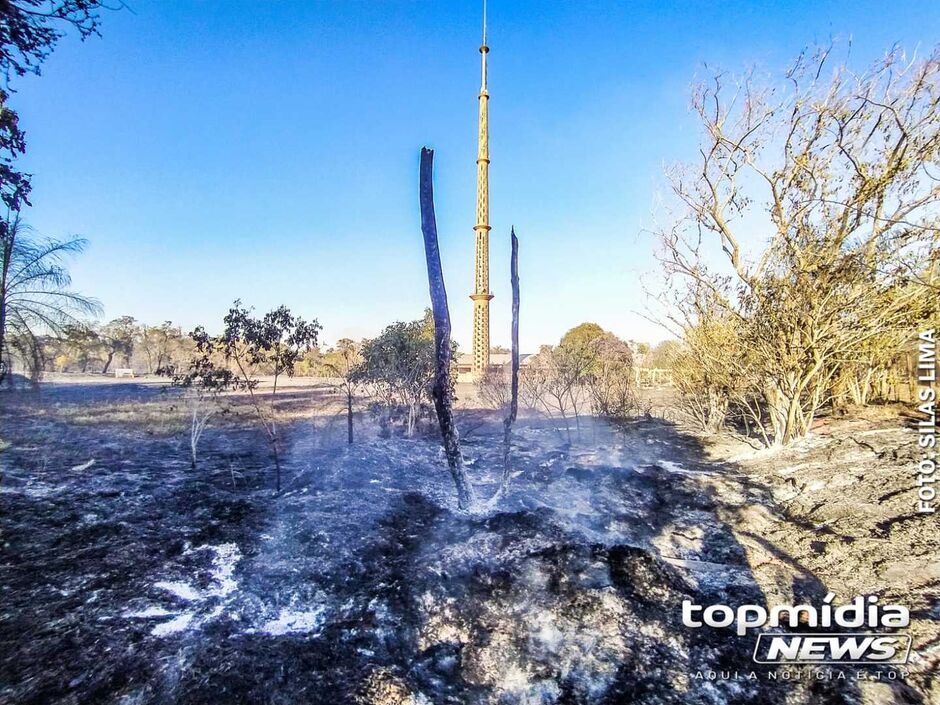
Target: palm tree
<point x="34" y="293"/>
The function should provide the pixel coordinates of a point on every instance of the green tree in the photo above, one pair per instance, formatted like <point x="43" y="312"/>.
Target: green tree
<point x="579" y="351"/>
<point x="581" y="338"/>
<point x="276" y="341"/>
<point x="400" y="364"/>
<point x="119" y="337"/>
<point x="343" y="363"/>
<point x="610" y="379"/>
<point x="81" y="344"/>
<point x="663" y="355"/>
<point x="159" y="344"/>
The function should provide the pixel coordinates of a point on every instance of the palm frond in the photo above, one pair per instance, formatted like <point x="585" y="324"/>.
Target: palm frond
<point x="30" y="259"/>
<point x="37" y="298"/>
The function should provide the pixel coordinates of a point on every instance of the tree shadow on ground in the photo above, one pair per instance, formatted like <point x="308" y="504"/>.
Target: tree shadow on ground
<point x="649" y="483"/>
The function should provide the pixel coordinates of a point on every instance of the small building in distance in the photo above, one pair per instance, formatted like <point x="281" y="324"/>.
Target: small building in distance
<point x="499" y="361"/>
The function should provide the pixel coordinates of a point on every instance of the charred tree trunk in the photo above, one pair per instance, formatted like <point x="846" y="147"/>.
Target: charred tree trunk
<point x="442" y="349"/>
<point x="514" y="371"/>
<point x="349" y="414"/>
<point x="277" y="463"/>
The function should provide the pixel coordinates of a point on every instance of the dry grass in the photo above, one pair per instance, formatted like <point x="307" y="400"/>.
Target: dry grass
<point x="168" y="411"/>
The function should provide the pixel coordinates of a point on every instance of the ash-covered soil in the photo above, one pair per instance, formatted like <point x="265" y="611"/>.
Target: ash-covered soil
<point x="844" y="511"/>
<point x="128" y="577"/>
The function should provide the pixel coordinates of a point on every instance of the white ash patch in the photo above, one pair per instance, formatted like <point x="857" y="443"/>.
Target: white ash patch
<point x="176" y="625"/>
<point x="226" y="558"/>
<point x="670" y="466"/>
<point x="182" y="590"/>
<point x="294" y="622"/>
<point x="39" y="490"/>
<point x="203" y="606"/>
<point x="676" y="468"/>
<point x="149" y="613"/>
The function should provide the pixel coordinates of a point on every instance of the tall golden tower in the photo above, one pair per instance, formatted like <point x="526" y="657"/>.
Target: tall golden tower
<point x="481" y="290"/>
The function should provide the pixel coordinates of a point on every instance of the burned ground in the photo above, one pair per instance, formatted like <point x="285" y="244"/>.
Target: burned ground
<point x="136" y="579"/>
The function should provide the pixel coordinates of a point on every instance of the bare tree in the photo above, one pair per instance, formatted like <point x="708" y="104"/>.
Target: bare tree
<point x="841" y="171"/>
<point x="588" y="368"/>
<point x="494" y="388"/>
<point x="552" y="385"/>
<point x="611" y="380"/>
<point x="443" y="387"/>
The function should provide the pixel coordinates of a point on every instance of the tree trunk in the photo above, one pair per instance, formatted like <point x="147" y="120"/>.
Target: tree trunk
<point x="410" y="421"/>
<point x="277" y="464"/>
<point x="577" y="417"/>
<point x="10" y="235"/>
<point x="349" y="415"/>
<point x="789" y="420"/>
<point x="514" y="370"/>
<point x="442" y="350"/>
<point x="3" y="326"/>
<point x="564" y="417"/>
<point x="193" y="435"/>
<point x="776" y="404"/>
<point x="107" y="363"/>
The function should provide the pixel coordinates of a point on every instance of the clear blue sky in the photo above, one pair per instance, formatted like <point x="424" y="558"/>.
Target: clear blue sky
<point x="269" y="150"/>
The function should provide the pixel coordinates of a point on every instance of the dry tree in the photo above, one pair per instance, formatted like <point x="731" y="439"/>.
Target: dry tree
<point x="809" y="220"/>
